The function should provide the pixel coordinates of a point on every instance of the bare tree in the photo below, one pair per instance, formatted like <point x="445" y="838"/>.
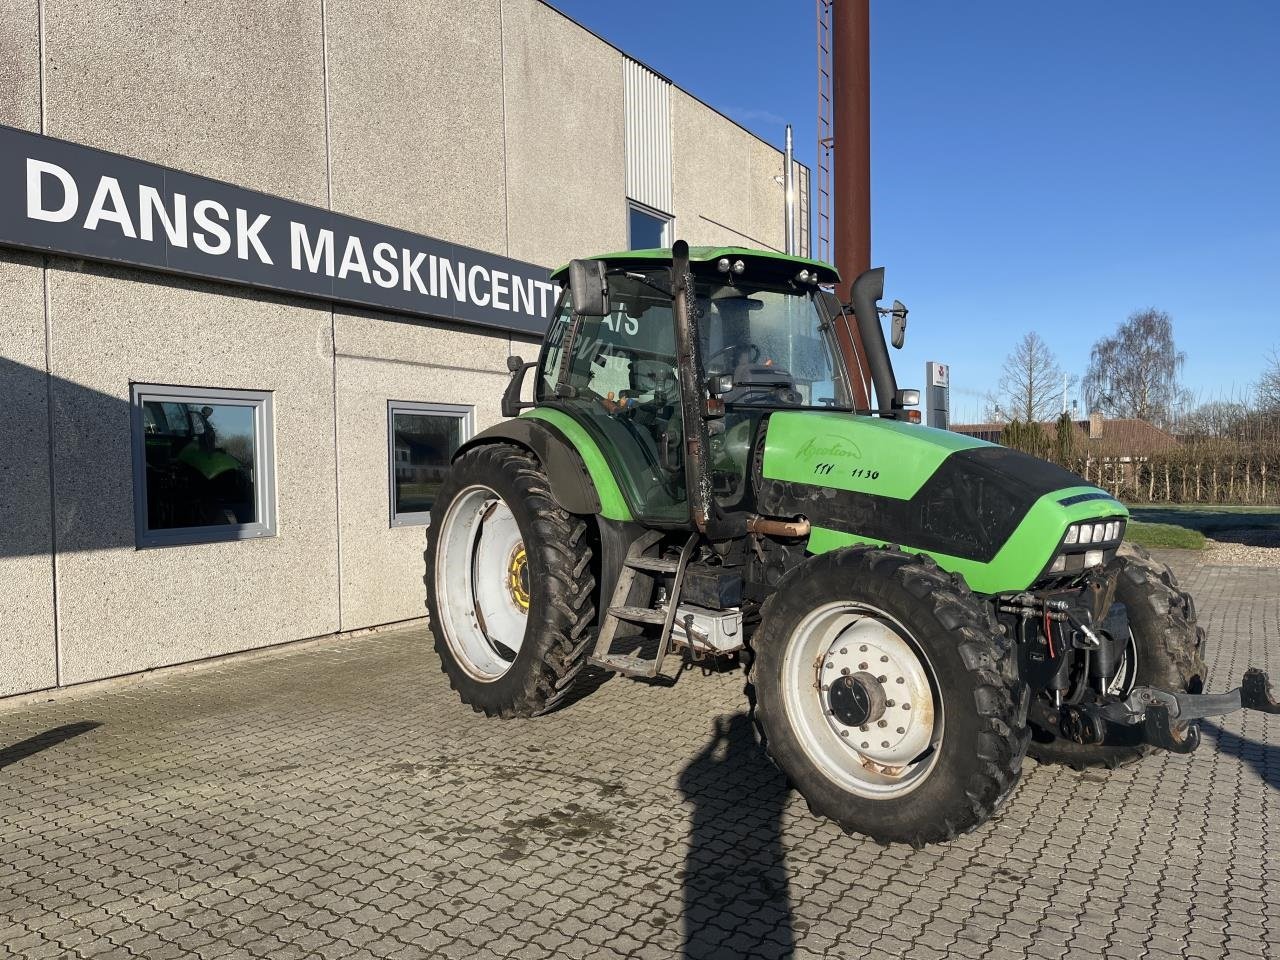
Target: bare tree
<point x="1268" y="389"/>
<point x="1031" y="384"/>
<point x="1214" y="420"/>
<point x="1137" y="372"/>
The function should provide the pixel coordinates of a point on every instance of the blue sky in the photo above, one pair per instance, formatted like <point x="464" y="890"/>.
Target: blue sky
<point x="1035" y="166"/>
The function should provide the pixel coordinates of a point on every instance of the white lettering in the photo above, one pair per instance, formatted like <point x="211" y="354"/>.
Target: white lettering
<point x="247" y="234"/>
<point x="386" y="273"/>
<point x="36" y="169"/>
<point x="353" y="260"/>
<point x="300" y="246"/>
<point x="151" y="205"/>
<point x="117" y="213"/>
<point x="455" y="281"/>
<point x="545" y="288"/>
<point x="500" y="290"/>
<point x="213" y="228"/>
<point x="476" y="298"/>
<point x="411" y="273"/>
<point x="521" y="295"/>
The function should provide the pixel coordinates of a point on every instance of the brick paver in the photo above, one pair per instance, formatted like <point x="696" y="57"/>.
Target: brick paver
<point x="338" y="801"/>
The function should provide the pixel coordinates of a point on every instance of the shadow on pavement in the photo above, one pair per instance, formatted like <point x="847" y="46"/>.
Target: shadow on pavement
<point x="43" y="741"/>
<point x="1262" y="757"/>
<point x="737" y="899"/>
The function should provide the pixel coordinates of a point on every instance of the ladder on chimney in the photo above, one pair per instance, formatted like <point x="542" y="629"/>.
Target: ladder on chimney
<point x="826" y="138"/>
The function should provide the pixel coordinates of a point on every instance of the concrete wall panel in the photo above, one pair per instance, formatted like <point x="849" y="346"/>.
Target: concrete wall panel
<point x="415" y="98"/>
<point x="381" y="360"/>
<point x="19" y="65"/>
<point x="27" y="641"/>
<point x="565" y="169"/>
<point x="723" y="180"/>
<point x="123" y="609"/>
<point x="222" y="88"/>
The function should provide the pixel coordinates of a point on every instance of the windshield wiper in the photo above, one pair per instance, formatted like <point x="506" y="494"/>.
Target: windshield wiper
<point x="641" y="278"/>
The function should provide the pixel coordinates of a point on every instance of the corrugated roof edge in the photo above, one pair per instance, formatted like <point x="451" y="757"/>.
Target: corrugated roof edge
<point x="684" y="90"/>
<point x="705" y="254"/>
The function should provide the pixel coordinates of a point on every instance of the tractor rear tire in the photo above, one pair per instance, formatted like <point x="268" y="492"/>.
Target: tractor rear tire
<point x="510" y="584"/>
<point x="920" y="661"/>
<point x="1169" y="648"/>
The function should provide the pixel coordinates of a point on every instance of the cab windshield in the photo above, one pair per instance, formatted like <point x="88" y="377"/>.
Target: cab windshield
<point x="772" y="343"/>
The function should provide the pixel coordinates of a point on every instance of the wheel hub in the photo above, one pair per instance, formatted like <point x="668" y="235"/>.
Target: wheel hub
<point x="857" y="700"/>
<point x="518" y="576"/>
<point x="876" y="695"/>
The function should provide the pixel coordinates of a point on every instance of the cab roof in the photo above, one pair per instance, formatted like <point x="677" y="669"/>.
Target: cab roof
<point x="759" y="264"/>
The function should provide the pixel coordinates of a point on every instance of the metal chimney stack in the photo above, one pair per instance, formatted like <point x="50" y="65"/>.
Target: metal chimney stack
<point x="789" y="188"/>
<point x="851" y="163"/>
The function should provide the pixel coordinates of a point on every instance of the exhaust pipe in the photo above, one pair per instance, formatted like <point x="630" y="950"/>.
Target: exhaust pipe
<point x="864" y="295"/>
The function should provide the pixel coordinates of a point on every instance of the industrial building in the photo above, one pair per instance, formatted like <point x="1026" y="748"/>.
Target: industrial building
<point x="261" y="269"/>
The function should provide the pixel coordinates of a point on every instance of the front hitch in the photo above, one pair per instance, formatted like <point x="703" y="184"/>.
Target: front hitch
<point x="1169" y="720"/>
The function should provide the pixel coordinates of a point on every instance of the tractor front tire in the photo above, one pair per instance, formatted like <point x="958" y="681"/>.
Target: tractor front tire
<point x="884" y="691"/>
<point x="510" y="584"/>
<point x="1168" y="646"/>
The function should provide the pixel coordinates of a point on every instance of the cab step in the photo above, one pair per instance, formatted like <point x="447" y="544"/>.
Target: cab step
<point x="638" y="562"/>
<point x="653" y="564"/>
<point x="625" y="664"/>
<point x="639" y="615"/>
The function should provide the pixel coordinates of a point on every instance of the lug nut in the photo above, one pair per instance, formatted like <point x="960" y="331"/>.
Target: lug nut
<point x="901" y="680"/>
<point x="843" y="651"/>
<point x="845" y="671"/>
<point x="844" y="733"/>
<point x="830" y="666"/>
<point x="884" y="743"/>
<point x="902" y="730"/>
<point x="882" y="723"/>
<point x="890" y="703"/>
<point x="883" y="679"/>
<point x="863" y="648"/>
<point x="906" y="706"/>
<point x="884" y="658"/>
<point x="863" y="728"/>
<point x="865" y="745"/>
<point x="862" y="666"/>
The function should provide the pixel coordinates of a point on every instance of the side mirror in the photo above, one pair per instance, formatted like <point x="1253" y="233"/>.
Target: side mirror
<point x="899" y="336"/>
<point x="511" y="404"/>
<point x="589" y="288"/>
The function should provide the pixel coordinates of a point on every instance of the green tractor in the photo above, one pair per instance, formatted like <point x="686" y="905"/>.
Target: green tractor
<point x="917" y="609"/>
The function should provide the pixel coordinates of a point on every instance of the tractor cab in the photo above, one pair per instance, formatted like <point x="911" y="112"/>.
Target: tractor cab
<point x="763" y="327"/>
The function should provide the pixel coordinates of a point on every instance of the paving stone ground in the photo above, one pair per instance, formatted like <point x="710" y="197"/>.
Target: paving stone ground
<point x="338" y="801"/>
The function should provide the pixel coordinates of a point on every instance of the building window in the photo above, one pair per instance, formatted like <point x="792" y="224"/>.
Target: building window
<point x="647" y="228"/>
<point x="422" y="440"/>
<point x="202" y="465"/>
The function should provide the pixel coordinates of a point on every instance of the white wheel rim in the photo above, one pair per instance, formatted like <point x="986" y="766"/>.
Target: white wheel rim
<point x="891" y="754"/>
<point x="481" y="577"/>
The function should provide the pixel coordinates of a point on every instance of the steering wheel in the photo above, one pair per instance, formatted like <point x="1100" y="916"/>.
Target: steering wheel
<point x="753" y="352"/>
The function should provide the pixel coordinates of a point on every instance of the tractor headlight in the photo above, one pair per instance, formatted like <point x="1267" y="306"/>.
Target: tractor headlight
<point x="1090" y="543"/>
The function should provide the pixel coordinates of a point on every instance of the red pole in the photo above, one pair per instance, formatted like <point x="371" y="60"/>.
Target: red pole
<point x="851" y="173"/>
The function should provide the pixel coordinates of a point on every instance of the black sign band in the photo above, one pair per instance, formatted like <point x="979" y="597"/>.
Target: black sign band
<point x="64" y="198"/>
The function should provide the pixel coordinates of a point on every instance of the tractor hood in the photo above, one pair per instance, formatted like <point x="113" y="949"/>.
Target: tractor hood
<point x="993" y="514"/>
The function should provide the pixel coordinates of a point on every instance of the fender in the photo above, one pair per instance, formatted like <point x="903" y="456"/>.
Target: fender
<point x="571" y="485"/>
